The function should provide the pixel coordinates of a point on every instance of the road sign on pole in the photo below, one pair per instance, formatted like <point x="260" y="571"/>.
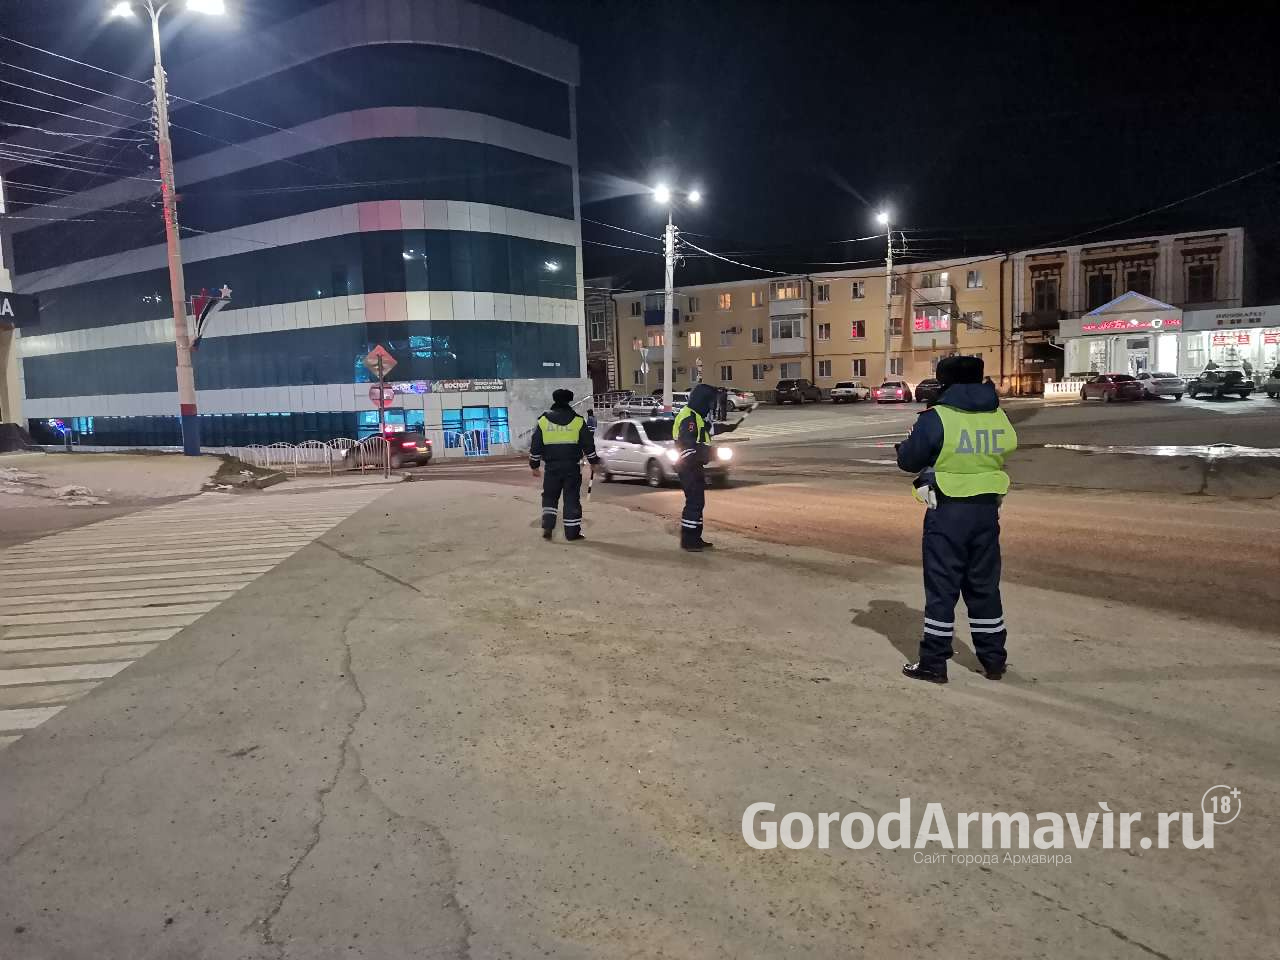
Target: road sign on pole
<point x="379" y="361"/>
<point x="382" y="394"/>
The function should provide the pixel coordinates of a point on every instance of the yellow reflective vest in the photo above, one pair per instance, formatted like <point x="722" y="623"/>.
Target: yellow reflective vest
<point x="698" y="422"/>
<point x="560" y="432"/>
<point x="974" y="447"/>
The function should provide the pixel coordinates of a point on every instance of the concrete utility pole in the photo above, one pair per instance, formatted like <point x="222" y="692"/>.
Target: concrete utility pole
<point x="663" y="195"/>
<point x="883" y="218"/>
<point x="177" y="284"/>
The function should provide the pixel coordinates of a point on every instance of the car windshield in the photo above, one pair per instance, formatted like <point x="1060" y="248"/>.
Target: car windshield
<point x="1164" y="376"/>
<point x="659" y="431"/>
<point x="844" y="385"/>
<point x="894" y="384"/>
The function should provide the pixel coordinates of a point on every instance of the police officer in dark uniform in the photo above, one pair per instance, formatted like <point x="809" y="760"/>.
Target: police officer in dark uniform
<point x="562" y="439"/>
<point x="692" y="433"/>
<point x="958" y="448"/>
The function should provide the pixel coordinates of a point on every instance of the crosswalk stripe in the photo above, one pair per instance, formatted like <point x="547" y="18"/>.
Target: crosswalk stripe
<point x="80" y="606"/>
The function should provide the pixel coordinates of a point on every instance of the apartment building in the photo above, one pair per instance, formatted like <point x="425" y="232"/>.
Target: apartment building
<point x="601" y="333"/>
<point x="824" y="327"/>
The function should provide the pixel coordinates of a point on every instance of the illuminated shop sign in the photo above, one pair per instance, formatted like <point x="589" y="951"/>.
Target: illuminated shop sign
<point x="1133" y="323"/>
<point x="448" y="386"/>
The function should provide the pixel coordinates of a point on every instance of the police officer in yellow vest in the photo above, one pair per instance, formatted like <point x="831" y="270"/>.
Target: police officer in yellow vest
<point x="562" y="439"/>
<point x="692" y="433"/>
<point x="958" y="449"/>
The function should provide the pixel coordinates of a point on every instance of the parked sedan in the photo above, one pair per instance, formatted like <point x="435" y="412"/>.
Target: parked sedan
<point x="1111" y="386"/>
<point x="1271" y="386"/>
<point x="892" y="391"/>
<point x="796" y="391"/>
<point x="742" y="400"/>
<point x="637" y="407"/>
<point x="1162" y="385"/>
<point x="928" y="390"/>
<point x="850" y="391"/>
<point x="644" y="447"/>
<point x="1220" y="383"/>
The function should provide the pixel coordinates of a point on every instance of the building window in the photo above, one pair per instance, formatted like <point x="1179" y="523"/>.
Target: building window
<point x="726" y="373"/>
<point x="636" y="308"/>
<point x="973" y="280"/>
<point x="1101" y="290"/>
<point x="859" y="367"/>
<point x="655" y="340"/>
<point x="726" y="337"/>
<point x="695" y="338"/>
<point x="929" y="280"/>
<point x="823" y="292"/>
<point x="757" y="334"/>
<point x="973" y="320"/>
<point x="857" y="329"/>
<point x="859" y="289"/>
<point x="931" y="320"/>
<point x="1045" y="293"/>
<point x="636" y="343"/>
<point x="1138" y="281"/>
<point x="757" y="298"/>
<point x="824" y="368"/>
<point x="895" y="366"/>
<point x="757" y="371"/>
<point x="895" y="327"/>
<point x="785" y="290"/>
<point x="597" y="324"/>
<point x="824" y="331"/>
<point x="637" y="378"/>
<point x="790" y="370"/>
<point x="693" y="304"/>
<point x="786" y="328"/>
<point x="895" y="288"/>
<point x="725" y="301"/>
<point x="1200" y="285"/>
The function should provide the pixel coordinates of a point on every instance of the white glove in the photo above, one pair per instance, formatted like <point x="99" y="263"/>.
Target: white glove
<point x="926" y="493"/>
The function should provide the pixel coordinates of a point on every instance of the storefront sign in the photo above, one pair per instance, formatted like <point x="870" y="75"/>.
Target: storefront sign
<point x="1131" y="324"/>
<point x="450" y="386"/>
<point x="1231" y="339"/>
<point x="1239" y="317"/>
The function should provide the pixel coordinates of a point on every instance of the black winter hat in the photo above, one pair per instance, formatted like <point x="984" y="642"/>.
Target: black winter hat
<point x="960" y="370"/>
<point x="562" y="396"/>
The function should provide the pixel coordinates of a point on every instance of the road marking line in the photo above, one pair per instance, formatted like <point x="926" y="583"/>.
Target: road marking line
<point x="71" y="640"/>
<point x="24" y="718"/>
<point x="203" y="577"/>
<point x="121" y="613"/>
<point x="93" y="599"/>
<point x="6" y="740"/>
<point x="62" y="657"/>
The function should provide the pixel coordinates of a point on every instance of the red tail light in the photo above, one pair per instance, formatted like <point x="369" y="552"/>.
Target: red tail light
<point x="408" y="445"/>
<point x="898" y="392"/>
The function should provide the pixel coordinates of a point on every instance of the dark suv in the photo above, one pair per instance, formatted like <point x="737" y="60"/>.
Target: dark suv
<point x="796" y="391"/>
<point x="1220" y="383"/>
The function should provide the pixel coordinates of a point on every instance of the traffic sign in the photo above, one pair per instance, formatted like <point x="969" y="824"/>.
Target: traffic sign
<point x="382" y="394"/>
<point x="379" y="353"/>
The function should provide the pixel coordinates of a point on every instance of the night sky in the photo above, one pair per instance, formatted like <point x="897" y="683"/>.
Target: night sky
<point x="981" y="131"/>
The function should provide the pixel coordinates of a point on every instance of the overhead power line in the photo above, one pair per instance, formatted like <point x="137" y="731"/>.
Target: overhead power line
<point x="85" y="137"/>
<point x="78" y="86"/>
<point x="79" y="103"/>
<point x="736" y="263"/>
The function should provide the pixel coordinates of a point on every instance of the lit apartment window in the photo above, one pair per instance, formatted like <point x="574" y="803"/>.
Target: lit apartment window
<point x="726" y="373"/>
<point x="974" y="280"/>
<point x="857" y="329"/>
<point x="1045" y="292"/>
<point x="1200" y="285"/>
<point x="859" y="289"/>
<point x="824" y="368"/>
<point x="895" y="327"/>
<point x="637" y="343"/>
<point x="725" y="301"/>
<point x="637" y="378"/>
<point x="597" y="324"/>
<point x="655" y="340"/>
<point x="895" y="366"/>
<point x="791" y="370"/>
<point x="824" y="331"/>
<point x="726" y="337"/>
<point x="757" y="334"/>
<point x="693" y="304"/>
<point x="695" y="338"/>
<point x="757" y="298"/>
<point x="757" y="371"/>
<point x="636" y="309"/>
<point x="786" y="328"/>
<point x="859" y="367"/>
<point x="785" y="290"/>
<point x="823" y="292"/>
<point x="895" y="288"/>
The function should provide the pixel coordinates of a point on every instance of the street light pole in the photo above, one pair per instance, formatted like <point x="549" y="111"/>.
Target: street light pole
<point x="663" y="195"/>
<point x="883" y="218"/>
<point x="177" y="284"/>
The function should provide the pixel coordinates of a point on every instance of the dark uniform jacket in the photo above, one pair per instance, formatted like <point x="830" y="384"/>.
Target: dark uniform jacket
<point x="919" y="452"/>
<point x="691" y="442"/>
<point x="562" y="454"/>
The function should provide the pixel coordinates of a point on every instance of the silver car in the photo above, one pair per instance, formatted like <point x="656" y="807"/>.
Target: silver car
<point x="644" y="447"/>
<point x="1162" y="385"/>
<point x="636" y="406"/>
<point x="1271" y="386"/>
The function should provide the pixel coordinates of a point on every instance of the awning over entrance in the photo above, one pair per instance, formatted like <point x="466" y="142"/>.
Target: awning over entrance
<point x="1128" y="313"/>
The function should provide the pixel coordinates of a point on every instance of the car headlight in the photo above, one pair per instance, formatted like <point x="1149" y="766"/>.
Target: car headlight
<point x="673" y="454"/>
<point x="724" y="453"/>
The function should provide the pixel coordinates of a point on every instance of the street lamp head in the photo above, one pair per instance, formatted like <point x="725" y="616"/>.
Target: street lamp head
<point x="695" y="196"/>
<point x="121" y="9"/>
<point x="882" y="218"/>
<point x="214" y="7"/>
<point x="662" y="193"/>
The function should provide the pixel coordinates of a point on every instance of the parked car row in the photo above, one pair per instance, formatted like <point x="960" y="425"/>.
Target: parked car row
<point x="1217" y="383"/>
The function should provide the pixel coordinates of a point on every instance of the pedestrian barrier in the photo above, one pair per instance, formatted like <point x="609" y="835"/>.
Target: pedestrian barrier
<point x="1063" y="389"/>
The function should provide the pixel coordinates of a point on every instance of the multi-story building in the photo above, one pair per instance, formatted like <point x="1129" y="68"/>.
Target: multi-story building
<point x="407" y="176"/>
<point x="601" y="330"/>
<point x="824" y="327"/>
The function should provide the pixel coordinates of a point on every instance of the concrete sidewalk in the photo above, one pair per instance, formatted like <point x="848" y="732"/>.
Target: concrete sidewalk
<point x="431" y="734"/>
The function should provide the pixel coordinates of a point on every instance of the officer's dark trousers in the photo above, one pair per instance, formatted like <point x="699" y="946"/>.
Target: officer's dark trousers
<point x="566" y="478"/>
<point x="693" y="481"/>
<point x="962" y="558"/>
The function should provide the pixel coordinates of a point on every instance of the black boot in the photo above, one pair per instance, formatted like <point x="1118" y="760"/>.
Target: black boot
<point x="994" y="672"/>
<point x="691" y="540"/>
<point x="548" y="533"/>
<point x="916" y="671"/>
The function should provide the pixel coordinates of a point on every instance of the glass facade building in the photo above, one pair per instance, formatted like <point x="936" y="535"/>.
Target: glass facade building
<point x="404" y="181"/>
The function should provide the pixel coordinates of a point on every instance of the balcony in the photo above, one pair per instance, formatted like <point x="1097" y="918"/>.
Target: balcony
<point x="788" y="297"/>
<point x="941" y="295"/>
<point x="1041" y="320"/>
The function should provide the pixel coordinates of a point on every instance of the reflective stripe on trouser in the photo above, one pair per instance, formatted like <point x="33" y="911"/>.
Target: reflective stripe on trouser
<point x="566" y="479"/>
<point x="961" y="552"/>
<point x="693" y="481"/>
